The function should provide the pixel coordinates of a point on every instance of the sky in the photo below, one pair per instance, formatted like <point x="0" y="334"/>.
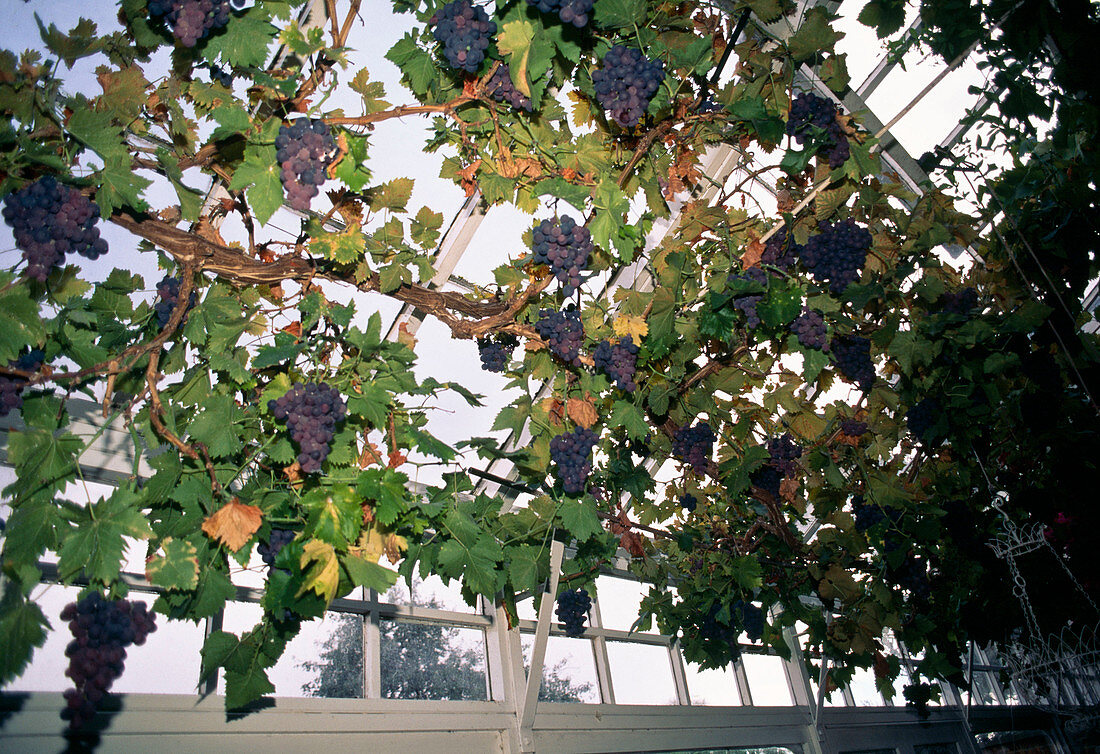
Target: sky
<point x="169" y="663"/>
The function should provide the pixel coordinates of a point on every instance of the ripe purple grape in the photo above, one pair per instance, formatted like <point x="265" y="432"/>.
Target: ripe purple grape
<point x="921" y="418"/>
<point x="693" y="445"/>
<point x="746" y="303"/>
<point x="48" y="220"/>
<point x="626" y="82"/>
<point x="496" y="351"/>
<point x="572" y="610"/>
<point x="464" y="30"/>
<point x="810" y="329"/>
<point x="501" y="88"/>
<point x="277" y="540"/>
<point x="11" y="387"/>
<point x="573" y="12"/>
<point x="618" y="361"/>
<point x="101" y="629"/>
<point x="305" y="149"/>
<point x="767" y="478"/>
<point x="960" y="302"/>
<point x="781" y="251"/>
<point x="751" y="619"/>
<point x="571" y="451"/>
<point x="564" y="333"/>
<point x="688" y="502"/>
<point x="191" y="20"/>
<point x="565" y="247"/>
<point x="784" y="453"/>
<point x="311" y="411"/>
<point x="168" y="295"/>
<point x="814" y="117"/>
<point x="853" y="427"/>
<point x="866" y="515"/>
<point x="853" y="360"/>
<point x="836" y="256"/>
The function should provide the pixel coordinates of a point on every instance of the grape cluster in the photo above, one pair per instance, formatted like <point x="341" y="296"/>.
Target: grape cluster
<point x="809" y="326"/>
<point x="564" y="332"/>
<point x="917" y="696"/>
<point x="304" y="148"/>
<point x="912" y="575"/>
<point x="961" y="302"/>
<point x="571" y="451"/>
<point x="564" y="246"/>
<point x="618" y="361"/>
<point x="816" y="116"/>
<point x="168" y="295"/>
<point x="191" y="20"/>
<point x="501" y="88"/>
<point x="692" y="445"/>
<point x="921" y="418"/>
<point x="11" y="387"/>
<point x="101" y="629"/>
<point x="836" y="255"/>
<point x="222" y="76"/>
<point x="767" y="478"/>
<point x="746" y="304"/>
<point x="784" y="453"/>
<point x="866" y="515"/>
<point x="572" y="610"/>
<point x="275" y="543"/>
<point x="688" y="502"/>
<point x="49" y="219"/>
<point x="751" y="619"/>
<point x="464" y="31"/>
<point x="569" y="11"/>
<point x="780" y="250"/>
<point x="626" y="82"/>
<point x="853" y="427"/>
<point x="311" y="411"/>
<point x="853" y="359"/>
<point x="496" y="351"/>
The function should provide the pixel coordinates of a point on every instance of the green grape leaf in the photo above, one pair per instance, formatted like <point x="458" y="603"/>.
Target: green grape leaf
<point x="335" y="515"/>
<point x="97" y="543"/>
<point x="627" y="415"/>
<point x="176" y="568"/>
<point x="352" y="169"/>
<point x="619" y="14"/>
<point x="244" y="42"/>
<point x="23" y="627"/>
<point x="363" y="572"/>
<point x="392" y="195"/>
<point x="579" y="519"/>
<point x="259" y="173"/>
<point x="20" y="323"/>
<point x="814" y="37"/>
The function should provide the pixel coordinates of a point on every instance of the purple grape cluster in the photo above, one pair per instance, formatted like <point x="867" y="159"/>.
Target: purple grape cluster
<point x="573" y="12"/>
<point x="496" y="351"/>
<point x="563" y="331"/>
<point x="922" y="416"/>
<point x="767" y="478"/>
<point x="101" y="629"/>
<point x="837" y="254"/>
<point x="853" y="360"/>
<point x="866" y="515"/>
<point x="626" y="82"/>
<point x="912" y="575"/>
<point x="311" y="411"/>
<point x="692" y="445"/>
<point x="305" y="149"/>
<point x="751" y="619"/>
<point x="815" y="117"/>
<point x="11" y="387"/>
<point x="168" y="295"/>
<point x="853" y="427"/>
<point x="222" y="76"/>
<point x="618" y="361"/>
<point x="572" y="610"/>
<point x="571" y="451"/>
<point x="961" y="302"/>
<point x="50" y="219"/>
<point x="746" y="304"/>
<point x="275" y="543"/>
<point x="810" y="329"/>
<point x="564" y="246"/>
<point x="464" y="31"/>
<point x="191" y="20"/>
<point x="784" y="453"/>
<point x="780" y="250"/>
<point x="501" y="88"/>
<point x="688" y="502"/>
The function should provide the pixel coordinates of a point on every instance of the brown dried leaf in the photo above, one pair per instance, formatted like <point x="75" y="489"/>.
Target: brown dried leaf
<point x="532" y="344"/>
<point x="397" y="458"/>
<point x="632" y="543"/>
<point x="294" y="328"/>
<point x="785" y="202"/>
<point x="370" y="455"/>
<point x="467" y="174"/>
<point x="393" y="546"/>
<point x="404" y="336"/>
<point x="788" y="489"/>
<point x="752" y="254"/>
<point x="582" y="412"/>
<point x="555" y="409"/>
<point x="233" y="524"/>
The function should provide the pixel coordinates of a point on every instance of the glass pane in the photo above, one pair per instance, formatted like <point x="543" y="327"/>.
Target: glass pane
<point x="324" y="659"/>
<point x="167" y="663"/>
<point x="863" y="689"/>
<point x="641" y="673"/>
<point x="711" y="686"/>
<point x="568" y="671"/>
<point x="1015" y="742"/>
<point x="620" y="600"/>
<point x="432" y="661"/>
<point x="835" y="698"/>
<point x="767" y="681"/>
<point x="429" y="592"/>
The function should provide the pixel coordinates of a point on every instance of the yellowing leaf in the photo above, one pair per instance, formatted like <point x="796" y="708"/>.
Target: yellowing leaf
<point x="582" y="109"/>
<point x="321" y="569"/>
<point x="634" y="326"/>
<point x="233" y="524"/>
<point x="515" y="41"/>
<point x="582" y="412"/>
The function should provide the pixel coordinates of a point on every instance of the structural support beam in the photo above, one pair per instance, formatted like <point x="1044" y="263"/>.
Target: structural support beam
<point x="526" y="711"/>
